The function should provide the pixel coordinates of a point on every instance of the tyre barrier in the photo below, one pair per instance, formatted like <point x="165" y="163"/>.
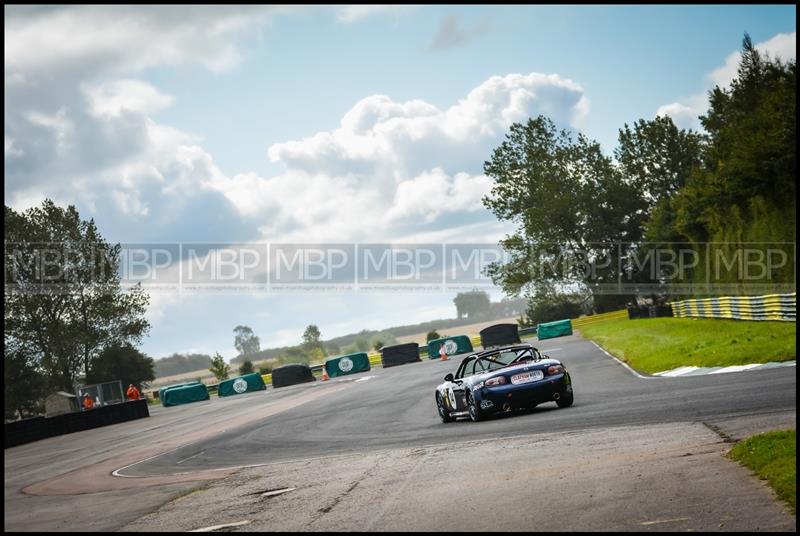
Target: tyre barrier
<point x="399" y="354"/>
<point x="29" y="430"/>
<point x="291" y="374"/>
<point x="499" y="335"/>
<point x="162" y="390"/>
<point x="550" y="330"/>
<point x="347" y="364"/>
<point x="241" y="385"/>
<point x="459" y="344"/>
<point x="195" y="392"/>
<point x="649" y="311"/>
<point x="782" y="307"/>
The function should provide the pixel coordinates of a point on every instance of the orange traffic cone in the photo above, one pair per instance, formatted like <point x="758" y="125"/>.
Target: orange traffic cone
<point x="443" y="353"/>
<point x="325" y="376"/>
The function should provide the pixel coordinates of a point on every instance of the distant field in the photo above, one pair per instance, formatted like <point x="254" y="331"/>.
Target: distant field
<point x="658" y="344"/>
<point x="469" y="329"/>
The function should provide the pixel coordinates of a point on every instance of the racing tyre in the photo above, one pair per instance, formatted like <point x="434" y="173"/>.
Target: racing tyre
<point x="474" y="410"/>
<point x="444" y="413"/>
<point x="566" y="398"/>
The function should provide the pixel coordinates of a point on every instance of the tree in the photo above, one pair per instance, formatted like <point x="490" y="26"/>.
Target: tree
<point x="124" y="363"/>
<point x="25" y="386"/>
<point x="246" y="368"/>
<point x="548" y="308"/>
<point x="572" y="207"/>
<point x="473" y="304"/>
<point x="377" y="345"/>
<point x="311" y="340"/>
<point x="433" y="334"/>
<point x="744" y="190"/>
<point x="219" y="368"/>
<point x="63" y="301"/>
<point x="246" y="342"/>
<point x="180" y="363"/>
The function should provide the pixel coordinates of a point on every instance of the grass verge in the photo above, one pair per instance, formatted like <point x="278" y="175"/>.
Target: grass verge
<point x="773" y="457"/>
<point x="658" y="344"/>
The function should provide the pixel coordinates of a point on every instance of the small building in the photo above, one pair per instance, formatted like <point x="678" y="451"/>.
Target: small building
<point x="60" y="403"/>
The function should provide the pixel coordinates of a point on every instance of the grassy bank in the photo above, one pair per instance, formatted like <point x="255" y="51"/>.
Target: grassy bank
<point x="658" y="344"/>
<point x="773" y="457"/>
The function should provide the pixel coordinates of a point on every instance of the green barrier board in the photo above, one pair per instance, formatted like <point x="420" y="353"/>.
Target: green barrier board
<point x="347" y="364"/>
<point x="242" y="384"/>
<point x="185" y="395"/>
<point x="459" y="344"/>
<point x="164" y="389"/>
<point x="559" y="328"/>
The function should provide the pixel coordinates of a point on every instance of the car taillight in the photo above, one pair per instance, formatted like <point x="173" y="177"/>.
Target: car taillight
<point x="555" y="369"/>
<point x="500" y="380"/>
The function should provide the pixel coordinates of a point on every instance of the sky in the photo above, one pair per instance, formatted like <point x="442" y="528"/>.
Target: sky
<point x="256" y="125"/>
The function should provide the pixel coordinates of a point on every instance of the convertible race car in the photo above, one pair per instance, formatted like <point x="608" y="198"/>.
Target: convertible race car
<point x="501" y="380"/>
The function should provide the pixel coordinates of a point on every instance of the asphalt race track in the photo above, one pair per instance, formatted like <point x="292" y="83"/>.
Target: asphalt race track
<point x="386" y="420"/>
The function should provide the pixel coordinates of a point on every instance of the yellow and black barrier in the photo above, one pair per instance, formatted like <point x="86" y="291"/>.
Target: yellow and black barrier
<point x="781" y="307"/>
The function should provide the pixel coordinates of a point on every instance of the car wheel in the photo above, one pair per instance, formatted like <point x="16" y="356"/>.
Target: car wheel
<point x="443" y="411"/>
<point x="474" y="410"/>
<point x="566" y="398"/>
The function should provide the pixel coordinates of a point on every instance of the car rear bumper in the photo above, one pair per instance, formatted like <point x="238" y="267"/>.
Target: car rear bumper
<point x="523" y="396"/>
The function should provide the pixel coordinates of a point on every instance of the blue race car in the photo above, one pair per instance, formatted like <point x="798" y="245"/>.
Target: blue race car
<point x="502" y="380"/>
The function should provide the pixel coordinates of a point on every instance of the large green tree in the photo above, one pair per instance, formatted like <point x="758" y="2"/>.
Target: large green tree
<point x="473" y="304"/>
<point x="63" y="297"/>
<point x="124" y="363"/>
<point x="245" y="340"/>
<point x="743" y="193"/>
<point x="572" y="205"/>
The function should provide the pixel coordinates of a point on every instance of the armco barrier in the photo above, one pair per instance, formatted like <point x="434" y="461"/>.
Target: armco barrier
<point x="782" y="307"/>
<point x="458" y="344"/>
<point x="28" y="430"/>
<point x="347" y="364"/>
<point x="241" y="384"/>
<point x="602" y="317"/>
<point x="527" y="332"/>
<point x="291" y="374"/>
<point x="399" y="354"/>
<point x="500" y="334"/>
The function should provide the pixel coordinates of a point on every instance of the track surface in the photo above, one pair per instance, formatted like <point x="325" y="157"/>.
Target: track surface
<point x="366" y="415"/>
<point x="395" y="408"/>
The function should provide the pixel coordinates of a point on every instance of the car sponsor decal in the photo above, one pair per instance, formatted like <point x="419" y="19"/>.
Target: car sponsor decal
<point x="452" y="397"/>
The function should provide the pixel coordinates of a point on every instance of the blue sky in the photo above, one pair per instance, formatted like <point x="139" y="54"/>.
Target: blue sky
<point x="328" y="124"/>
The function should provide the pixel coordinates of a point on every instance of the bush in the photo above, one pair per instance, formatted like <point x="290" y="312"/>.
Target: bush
<point x="433" y="334"/>
<point x="246" y="368"/>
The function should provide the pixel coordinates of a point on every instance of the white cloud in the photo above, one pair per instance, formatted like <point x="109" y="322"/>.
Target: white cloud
<point x="11" y="150"/>
<point x="394" y="166"/>
<point x="686" y="113"/>
<point x="355" y="13"/>
<point x="81" y="130"/>
<point x="125" y="38"/>
<point x="450" y="34"/>
<point x="783" y="46"/>
<point x="112" y="99"/>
